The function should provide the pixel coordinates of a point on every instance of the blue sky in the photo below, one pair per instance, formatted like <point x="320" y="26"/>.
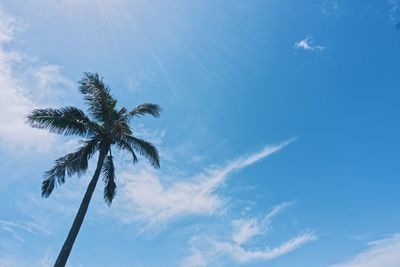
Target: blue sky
<point x="278" y="137"/>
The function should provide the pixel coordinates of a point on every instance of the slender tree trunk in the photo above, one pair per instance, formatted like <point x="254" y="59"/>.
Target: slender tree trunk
<point x="73" y="232"/>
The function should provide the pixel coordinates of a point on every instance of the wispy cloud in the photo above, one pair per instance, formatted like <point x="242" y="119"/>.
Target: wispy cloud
<point x="308" y="44"/>
<point x="136" y="82"/>
<point x="241" y="254"/>
<point x="195" y="259"/>
<point x="25" y="84"/>
<point x="7" y="260"/>
<point x="205" y="251"/>
<point x="246" y="229"/>
<point x="19" y="230"/>
<point x="26" y="226"/>
<point x="144" y="197"/>
<point x="13" y="227"/>
<point x="17" y="234"/>
<point x="329" y="7"/>
<point x="384" y="252"/>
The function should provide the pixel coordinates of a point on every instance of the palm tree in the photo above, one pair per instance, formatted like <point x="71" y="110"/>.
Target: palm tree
<point x="106" y="127"/>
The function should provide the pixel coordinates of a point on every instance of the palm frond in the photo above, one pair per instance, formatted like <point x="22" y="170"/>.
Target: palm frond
<point x="68" y="165"/>
<point x="109" y="179"/>
<point x="119" y="129"/>
<point x="122" y="144"/>
<point x="146" y="108"/>
<point x="122" y="111"/>
<point x="67" y="121"/>
<point x="145" y="148"/>
<point x="97" y="96"/>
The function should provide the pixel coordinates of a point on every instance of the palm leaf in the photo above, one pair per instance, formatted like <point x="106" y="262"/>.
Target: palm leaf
<point x="146" y="108"/>
<point x="68" y="165"/>
<point x="122" y="111"/>
<point x="109" y="179"/>
<point x="122" y="144"/>
<point x="67" y="121"/>
<point x="97" y="96"/>
<point x="145" y="148"/>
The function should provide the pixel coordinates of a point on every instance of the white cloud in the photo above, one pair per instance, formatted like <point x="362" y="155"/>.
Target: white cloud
<point x="8" y="25"/>
<point x="205" y="250"/>
<point x="195" y="259"/>
<point x="49" y="83"/>
<point x="384" y="252"/>
<point x="308" y="45"/>
<point x="25" y="85"/>
<point x="276" y="210"/>
<point x="245" y="229"/>
<point x="241" y="254"/>
<point x="144" y="197"/>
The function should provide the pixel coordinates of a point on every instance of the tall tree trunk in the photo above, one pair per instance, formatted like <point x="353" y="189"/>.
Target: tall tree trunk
<point x="73" y="232"/>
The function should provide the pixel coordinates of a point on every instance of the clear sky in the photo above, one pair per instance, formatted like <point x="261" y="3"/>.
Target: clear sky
<point x="278" y="137"/>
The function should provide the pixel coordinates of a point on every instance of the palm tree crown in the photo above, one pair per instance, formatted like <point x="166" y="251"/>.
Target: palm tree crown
<point x="104" y="128"/>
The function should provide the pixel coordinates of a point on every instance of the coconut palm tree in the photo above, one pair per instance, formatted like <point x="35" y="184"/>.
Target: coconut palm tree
<point x="105" y="127"/>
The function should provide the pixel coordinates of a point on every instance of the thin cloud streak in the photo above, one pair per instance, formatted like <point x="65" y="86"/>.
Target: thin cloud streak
<point x="207" y="250"/>
<point x="384" y="252"/>
<point x="29" y="227"/>
<point x="242" y="255"/>
<point x="144" y="198"/>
